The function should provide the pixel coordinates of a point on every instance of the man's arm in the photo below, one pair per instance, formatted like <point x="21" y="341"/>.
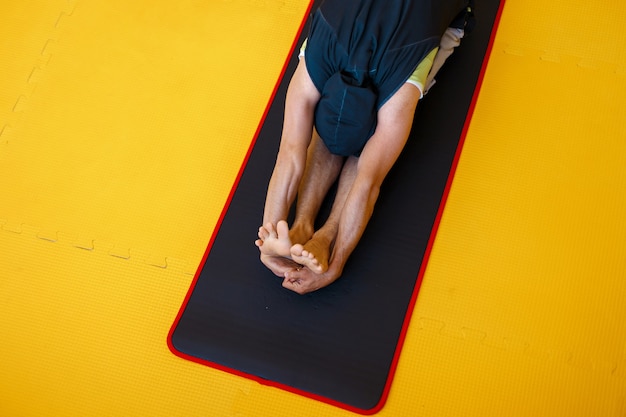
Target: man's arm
<point x="302" y="96"/>
<point x="395" y="119"/>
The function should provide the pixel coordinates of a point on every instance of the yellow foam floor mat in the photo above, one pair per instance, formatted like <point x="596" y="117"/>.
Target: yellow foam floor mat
<point x="123" y="126"/>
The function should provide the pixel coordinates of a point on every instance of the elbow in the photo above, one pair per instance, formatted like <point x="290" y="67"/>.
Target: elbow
<point x="369" y="189"/>
<point x="369" y="183"/>
<point x="291" y="157"/>
<point x="374" y="191"/>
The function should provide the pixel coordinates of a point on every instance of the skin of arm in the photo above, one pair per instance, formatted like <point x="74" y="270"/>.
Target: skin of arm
<point x="302" y="96"/>
<point x="395" y="119"/>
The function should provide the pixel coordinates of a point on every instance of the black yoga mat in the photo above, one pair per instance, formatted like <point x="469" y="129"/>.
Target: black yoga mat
<point x="340" y="344"/>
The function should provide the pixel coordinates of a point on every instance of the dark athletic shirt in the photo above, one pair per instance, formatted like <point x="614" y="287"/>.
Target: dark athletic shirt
<point x="360" y="52"/>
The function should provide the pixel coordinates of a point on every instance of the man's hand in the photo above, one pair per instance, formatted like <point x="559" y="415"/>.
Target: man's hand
<point x="279" y="265"/>
<point x="303" y="280"/>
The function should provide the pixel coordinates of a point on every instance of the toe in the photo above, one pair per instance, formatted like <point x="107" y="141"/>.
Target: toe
<point x="297" y="250"/>
<point x="271" y="232"/>
<point x="282" y="228"/>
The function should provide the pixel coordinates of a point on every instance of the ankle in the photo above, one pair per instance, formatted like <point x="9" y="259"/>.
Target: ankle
<point x="324" y="235"/>
<point x="301" y="232"/>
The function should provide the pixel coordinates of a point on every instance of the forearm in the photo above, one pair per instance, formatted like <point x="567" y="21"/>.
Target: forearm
<point x="296" y="136"/>
<point x="355" y="216"/>
<point x="380" y="153"/>
<point x="283" y="186"/>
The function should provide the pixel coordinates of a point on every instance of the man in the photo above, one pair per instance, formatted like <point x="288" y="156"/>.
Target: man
<point x="348" y="114"/>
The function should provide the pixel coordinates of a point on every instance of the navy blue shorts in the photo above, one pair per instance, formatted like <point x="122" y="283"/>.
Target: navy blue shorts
<point x="358" y="55"/>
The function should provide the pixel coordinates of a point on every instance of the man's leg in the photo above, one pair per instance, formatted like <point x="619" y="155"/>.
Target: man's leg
<point x="315" y="253"/>
<point x="450" y="40"/>
<point x="378" y="156"/>
<point x="321" y="172"/>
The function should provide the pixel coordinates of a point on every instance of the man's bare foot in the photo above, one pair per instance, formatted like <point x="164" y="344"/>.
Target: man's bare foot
<point x="279" y="265"/>
<point x="274" y="241"/>
<point x="313" y="254"/>
<point x="304" y="280"/>
<point x="300" y="232"/>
